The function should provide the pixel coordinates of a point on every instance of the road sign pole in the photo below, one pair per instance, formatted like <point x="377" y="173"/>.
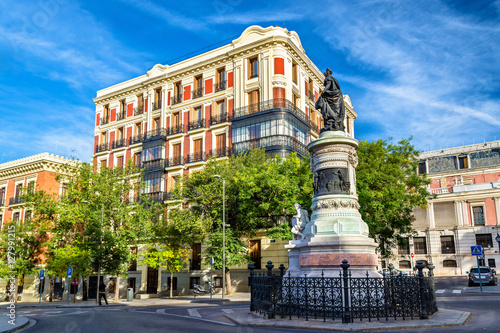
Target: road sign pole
<point x="479" y="270"/>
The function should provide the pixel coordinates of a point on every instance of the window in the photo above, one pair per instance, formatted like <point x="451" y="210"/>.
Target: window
<point x="194" y="280"/>
<point x="104" y="163"/>
<point x="152" y="153"/>
<point x="218" y="282"/>
<point x="16" y="215"/>
<point x="195" y="114"/>
<point x="140" y="102"/>
<point x="119" y="161"/>
<point x="220" y="80"/>
<point x="158" y="95"/>
<point x="404" y="264"/>
<point x="2" y="196"/>
<point x="220" y="142"/>
<point x="123" y="105"/>
<point x="137" y="160"/>
<point x="156" y="123"/>
<point x="462" y="162"/>
<point x="484" y="240"/>
<point x="478" y="215"/>
<point x="27" y="215"/>
<point x="176" y="119"/>
<point x="221" y="108"/>
<point x="138" y="128"/>
<point x="420" y="245"/>
<point x="198" y="86"/>
<point x="106" y="111"/>
<point x="31" y="186"/>
<point x="449" y="263"/>
<point x="1" y="221"/>
<point x="153" y="183"/>
<point x="176" y="150"/>
<point x="253" y="101"/>
<point x="295" y="100"/>
<point x="421" y="167"/>
<point x="253" y="67"/>
<point x="177" y="93"/>
<point x="174" y="284"/>
<point x="404" y="247"/>
<point x="196" y="259"/>
<point x="295" y="72"/>
<point x="104" y="137"/>
<point x="491" y="263"/>
<point x="447" y="245"/>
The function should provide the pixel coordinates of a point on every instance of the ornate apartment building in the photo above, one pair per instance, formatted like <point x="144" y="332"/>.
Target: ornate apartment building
<point x="257" y="91"/>
<point x="466" y="211"/>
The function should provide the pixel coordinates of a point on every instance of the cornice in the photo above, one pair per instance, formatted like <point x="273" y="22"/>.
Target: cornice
<point x="32" y="164"/>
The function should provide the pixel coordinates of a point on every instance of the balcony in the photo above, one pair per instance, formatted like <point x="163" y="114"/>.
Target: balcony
<point x="154" y="164"/>
<point x="197" y="93"/>
<point x="156" y="196"/>
<point x="135" y="139"/>
<point x="155" y="134"/>
<point x="195" y="124"/>
<point x="157" y="105"/>
<point x="277" y="103"/>
<point x="196" y="157"/>
<point x="120" y="143"/>
<point x="176" y="129"/>
<point x="221" y="152"/>
<point x="442" y="190"/>
<point x="104" y="120"/>
<point x="310" y="94"/>
<point x="219" y="86"/>
<point x="176" y="99"/>
<point x="121" y="115"/>
<point x="102" y="147"/>
<point x="271" y="143"/>
<point x="219" y="118"/>
<point x="16" y="200"/>
<point x="138" y="110"/>
<point x="173" y="161"/>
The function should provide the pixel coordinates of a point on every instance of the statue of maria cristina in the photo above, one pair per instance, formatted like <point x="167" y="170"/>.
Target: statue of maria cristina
<point x="331" y="104"/>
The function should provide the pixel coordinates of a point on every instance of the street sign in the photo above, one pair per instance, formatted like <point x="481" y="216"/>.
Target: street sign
<point x="476" y="250"/>
<point x="70" y="271"/>
<point x="211" y="261"/>
<point x="42" y="274"/>
<point x="412" y="255"/>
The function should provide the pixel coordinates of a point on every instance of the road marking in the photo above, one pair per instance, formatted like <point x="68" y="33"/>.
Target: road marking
<point x="202" y="319"/>
<point x="227" y="310"/>
<point x="23" y="312"/>
<point x="440" y="291"/>
<point x="457" y="291"/>
<point x="53" y="312"/>
<point x="194" y="313"/>
<point x="160" y="311"/>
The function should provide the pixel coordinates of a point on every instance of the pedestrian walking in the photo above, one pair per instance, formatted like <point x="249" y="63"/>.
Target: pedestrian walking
<point x="102" y="293"/>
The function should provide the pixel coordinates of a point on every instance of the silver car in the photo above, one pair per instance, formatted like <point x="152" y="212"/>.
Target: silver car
<point x="487" y="275"/>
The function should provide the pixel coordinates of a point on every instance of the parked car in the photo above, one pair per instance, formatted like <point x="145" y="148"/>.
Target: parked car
<point x="395" y="272"/>
<point x="488" y="275"/>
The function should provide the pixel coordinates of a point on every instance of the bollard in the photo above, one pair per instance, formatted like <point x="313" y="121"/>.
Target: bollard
<point x="282" y="270"/>
<point x="346" y="318"/>
<point x="423" y="312"/>
<point x="269" y="280"/>
<point x="251" y="267"/>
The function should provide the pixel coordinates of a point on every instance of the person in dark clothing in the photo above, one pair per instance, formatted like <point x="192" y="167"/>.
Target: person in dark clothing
<point x="102" y="293"/>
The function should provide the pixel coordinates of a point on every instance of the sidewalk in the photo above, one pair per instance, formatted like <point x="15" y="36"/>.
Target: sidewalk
<point x="487" y="289"/>
<point x="20" y="322"/>
<point x="444" y="317"/>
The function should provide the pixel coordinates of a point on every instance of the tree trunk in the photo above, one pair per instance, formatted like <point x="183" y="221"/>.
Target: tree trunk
<point x="51" y="288"/>
<point x="171" y="283"/>
<point x="228" y="282"/>
<point x="117" y="288"/>
<point x="85" y="295"/>
<point x="16" y="282"/>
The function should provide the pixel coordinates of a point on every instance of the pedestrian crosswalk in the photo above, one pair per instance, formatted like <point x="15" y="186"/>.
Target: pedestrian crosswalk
<point x="443" y="291"/>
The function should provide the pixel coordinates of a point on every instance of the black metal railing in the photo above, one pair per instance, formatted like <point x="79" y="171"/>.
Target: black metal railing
<point x="136" y="139"/>
<point x="121" y="115"/>
<point x="198" y="92"/>
<point x="16" y="200"/>
<point x="276" y="103"/>
<point x="219" y="118"/>
<point x="219" y="86"/>
<point x="119" y="143"/>
<point x="176" y="99"/>
<point x="104" y="120"/>
<point x="157" y="105"/>
<point x="154" y="164"/>
<point x="156" y="133"/>
<point x="221" y="152"/>
<point x="196" y="157"/>
<point x="102" y="147"/>
<point x="195" y="124"/>
<point x="172" y="161"/>
<point x="156" y="196"/>
<point x="344" y="297"/>
<point x="138" y="110"/>
<point x="278" y="141"/>
<point x="176" y="129"/>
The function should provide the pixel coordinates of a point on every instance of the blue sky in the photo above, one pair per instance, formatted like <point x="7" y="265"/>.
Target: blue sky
<point x="424" y="68"/>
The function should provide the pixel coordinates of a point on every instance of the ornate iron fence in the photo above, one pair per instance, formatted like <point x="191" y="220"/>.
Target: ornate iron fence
<point x="344" y="297"/>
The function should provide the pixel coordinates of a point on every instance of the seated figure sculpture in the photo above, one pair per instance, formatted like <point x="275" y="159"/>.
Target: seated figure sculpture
<point x="299" y="222"/>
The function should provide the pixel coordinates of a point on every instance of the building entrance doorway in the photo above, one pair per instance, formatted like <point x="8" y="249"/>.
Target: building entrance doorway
<point x="152" y="287"/>
<point x="255" y="252"/>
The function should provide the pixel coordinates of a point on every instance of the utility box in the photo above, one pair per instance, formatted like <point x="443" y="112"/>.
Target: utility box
<point x="130" y="294"/>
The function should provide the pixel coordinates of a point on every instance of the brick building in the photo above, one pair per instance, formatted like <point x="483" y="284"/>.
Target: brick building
<point x="257" y="91"/>
<point x="466" y="211"/>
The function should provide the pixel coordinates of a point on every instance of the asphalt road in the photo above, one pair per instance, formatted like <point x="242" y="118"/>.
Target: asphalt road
<point x="209" y="317"/>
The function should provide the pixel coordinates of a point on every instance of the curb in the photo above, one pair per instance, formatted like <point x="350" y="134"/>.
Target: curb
<point x="112" y="305"/>
<point x="17" y="328"/>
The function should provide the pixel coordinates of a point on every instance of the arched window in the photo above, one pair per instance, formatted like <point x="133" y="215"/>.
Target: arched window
<point x="449" y="263"/>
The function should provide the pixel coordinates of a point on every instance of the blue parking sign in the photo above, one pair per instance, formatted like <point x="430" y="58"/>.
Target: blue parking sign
<point x="70" y="271"/>
<point x="42" y="274"/>
<point x="476" y="250"/>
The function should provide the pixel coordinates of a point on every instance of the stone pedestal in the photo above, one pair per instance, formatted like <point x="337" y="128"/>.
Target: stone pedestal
<point x="336" y="231"/>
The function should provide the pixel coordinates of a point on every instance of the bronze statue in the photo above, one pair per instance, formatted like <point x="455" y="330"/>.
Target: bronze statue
<point x="331" y="104"/>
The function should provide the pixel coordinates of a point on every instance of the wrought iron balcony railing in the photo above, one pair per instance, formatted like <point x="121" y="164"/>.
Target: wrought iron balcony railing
<point x="221" y="152"/>
<point x="277" y="103"/>
<point x="219" y="86"/>
<point x="16" y="200"/>
<point x="156" y="133"/>
<point x="156" y="196"/>
<point x="138" y="110"/>
<point x="219" y="118"/>
<point x="157" y="105"/>
<point x="176" y="99"/>
<point x="102" y="147"/>
<point x="176" y="129"/>
<point x="104" y="120"/>
<point x="136" y="139"/>
<point x="278" y="141"/>
<point x="198" y="92"/>
<point x="196" y="157"/>
<point x="121" y="115"/>
<point x="198" y="123"/>
<point x="154" y="164"/>
<point x="173" y="161"/>
<point x="119" y="143"/>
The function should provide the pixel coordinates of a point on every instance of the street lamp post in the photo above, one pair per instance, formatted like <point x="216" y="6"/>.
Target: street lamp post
<point x="223" y="234"/>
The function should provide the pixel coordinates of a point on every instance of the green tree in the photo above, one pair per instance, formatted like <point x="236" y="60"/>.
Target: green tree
<point x="389" y="188"/>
